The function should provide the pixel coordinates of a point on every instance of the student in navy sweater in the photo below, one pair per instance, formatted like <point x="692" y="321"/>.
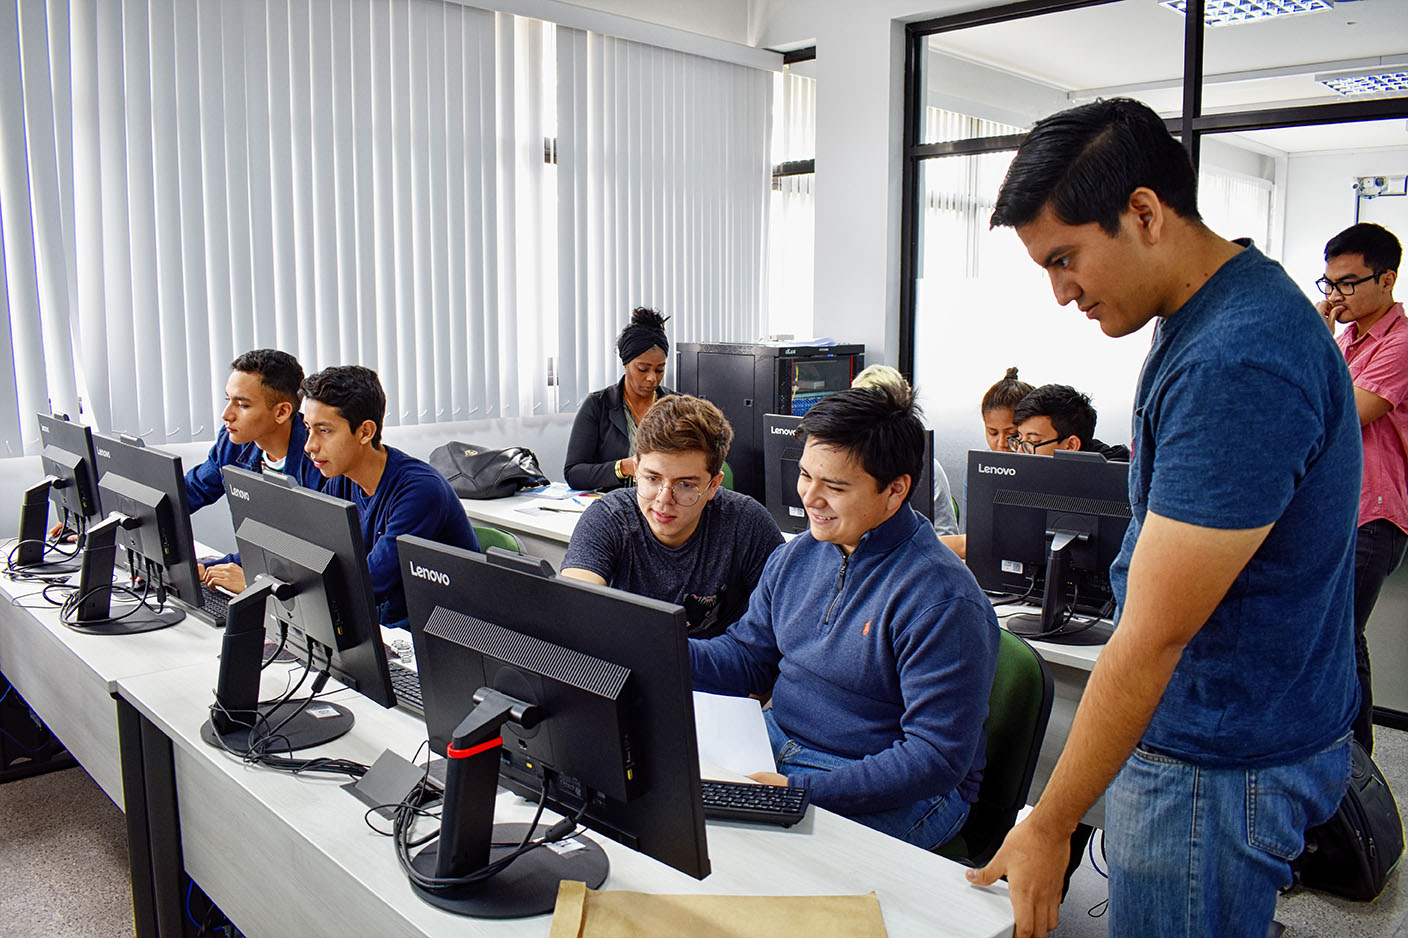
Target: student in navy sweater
<point x="262" y="432"/>
<point x="874" y="639"/>
<point x="394" y="493"/>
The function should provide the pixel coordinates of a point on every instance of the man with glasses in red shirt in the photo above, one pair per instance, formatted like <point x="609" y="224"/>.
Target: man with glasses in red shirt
<point x="677" y="535"/>
<point x="1361" y="267"/>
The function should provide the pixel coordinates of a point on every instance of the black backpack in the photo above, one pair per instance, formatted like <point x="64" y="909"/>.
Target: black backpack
<point x="476" y="471"/>
<point x="1353" y="853"/>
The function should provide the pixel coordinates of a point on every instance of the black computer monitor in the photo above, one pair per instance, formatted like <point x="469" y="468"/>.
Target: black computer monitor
<point x="144" y="494"/>
<point x="1048" y="528"/>
<point x="70" y="482"/>
<point x="604" y="679"/>
<point x="781" y="453"/>
<point x="306" y="568"/>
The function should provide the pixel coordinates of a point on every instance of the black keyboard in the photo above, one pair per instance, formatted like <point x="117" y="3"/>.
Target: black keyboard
<point x="759" y="804"/>
<point x="406" y="683"/>
<point x="215" y="604"/>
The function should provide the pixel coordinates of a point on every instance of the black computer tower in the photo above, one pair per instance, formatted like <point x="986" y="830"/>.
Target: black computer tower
<point x="748" y="381"/>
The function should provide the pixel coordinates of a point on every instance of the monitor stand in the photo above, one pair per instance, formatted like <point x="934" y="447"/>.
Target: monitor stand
<point x="34" y="535"/>
<point x="238" y="722"/>
<point x="469" y="840"/>
<point x="97" y="614"/>
<point x="1055" y="623"/>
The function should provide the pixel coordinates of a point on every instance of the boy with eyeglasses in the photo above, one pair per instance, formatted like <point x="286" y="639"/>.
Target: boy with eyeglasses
<point x="1057" y="416"/>
<point x="678" y="535"/>
<point x="1361" y="267"/>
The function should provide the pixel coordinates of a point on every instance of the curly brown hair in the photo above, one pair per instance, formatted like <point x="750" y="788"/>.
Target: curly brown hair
<point x="680" y="423"/>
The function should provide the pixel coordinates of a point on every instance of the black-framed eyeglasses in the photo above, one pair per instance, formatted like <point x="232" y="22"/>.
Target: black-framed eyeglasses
<point x="1018" y="445"/>
<point x="1344" y="287"/>
<point x="683" y="493"/>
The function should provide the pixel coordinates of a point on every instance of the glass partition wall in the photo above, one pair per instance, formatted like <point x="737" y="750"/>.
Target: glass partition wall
<point x="1296" y="123"/>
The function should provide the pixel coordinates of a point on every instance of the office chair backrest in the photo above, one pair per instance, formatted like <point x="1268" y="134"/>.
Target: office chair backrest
<point x="494" y="537"/>
<point x="1019" y="707"/>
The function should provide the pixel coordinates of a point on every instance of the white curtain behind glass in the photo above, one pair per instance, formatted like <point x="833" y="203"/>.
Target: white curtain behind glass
<point x="354" y="181"/>
<point x="791" y="254"/>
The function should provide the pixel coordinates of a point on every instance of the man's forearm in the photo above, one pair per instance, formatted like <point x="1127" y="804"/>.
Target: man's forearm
<point x="1124" y="689"/>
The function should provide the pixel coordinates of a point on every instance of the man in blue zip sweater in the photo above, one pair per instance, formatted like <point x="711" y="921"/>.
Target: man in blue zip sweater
<point x="262" y="432"/>
<point x="394" y="493"/>
<point x="874" y="639"/>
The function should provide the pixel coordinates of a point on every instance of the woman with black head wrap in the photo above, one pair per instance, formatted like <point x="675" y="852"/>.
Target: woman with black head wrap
<point x="599" y="453"/>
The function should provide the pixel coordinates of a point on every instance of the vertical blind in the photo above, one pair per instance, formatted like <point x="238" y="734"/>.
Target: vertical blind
<point x="467" y="202"/>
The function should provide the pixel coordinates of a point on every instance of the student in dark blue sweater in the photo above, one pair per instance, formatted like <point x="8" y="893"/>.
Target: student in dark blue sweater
<point x="394" y="493"/>
<point x="262" y="432"/>
<point x="874" y="639"/>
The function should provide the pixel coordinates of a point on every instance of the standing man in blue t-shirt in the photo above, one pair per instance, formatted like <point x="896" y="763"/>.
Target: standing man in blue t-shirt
<point x="395" y="494"/>
<point x="678" y="535"/>
<point x="1218" y="714"/>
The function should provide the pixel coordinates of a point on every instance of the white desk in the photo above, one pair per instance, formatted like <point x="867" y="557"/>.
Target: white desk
<point x="542" y="531"/>
<point x="284" y="855"/>
<point x="70" y="678"/>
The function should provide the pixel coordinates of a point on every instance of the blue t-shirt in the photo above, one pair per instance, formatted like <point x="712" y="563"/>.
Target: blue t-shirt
<point x="411" y="498"/>
<point x="712" y="574"/>
<point x="1270" y="677"/>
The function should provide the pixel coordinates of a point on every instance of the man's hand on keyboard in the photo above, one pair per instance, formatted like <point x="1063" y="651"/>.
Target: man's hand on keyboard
<point x="227" y="576"/>
<point x="769" y="778"/>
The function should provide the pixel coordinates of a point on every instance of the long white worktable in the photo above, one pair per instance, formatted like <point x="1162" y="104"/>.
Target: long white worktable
<point x="70" y="678"/>
<point x="543" y="526"/>
<point x="286" y="855"/>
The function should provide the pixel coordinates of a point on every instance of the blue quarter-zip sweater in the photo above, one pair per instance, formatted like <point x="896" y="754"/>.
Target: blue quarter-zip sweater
<point x="205" y="485"/>
<point x="411" y="498"/>
<point x="885" y="657"/>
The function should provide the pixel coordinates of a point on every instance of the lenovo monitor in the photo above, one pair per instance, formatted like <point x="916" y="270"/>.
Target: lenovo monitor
<point x="306" y="570"/>
<point x="71" y="483"/>
<point x="148" y="518"/>
<point x="1046" y="529"/>
<point x="583" y="697"/>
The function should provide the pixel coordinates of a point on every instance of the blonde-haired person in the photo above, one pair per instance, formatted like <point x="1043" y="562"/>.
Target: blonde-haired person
<point x="883" y="376"/>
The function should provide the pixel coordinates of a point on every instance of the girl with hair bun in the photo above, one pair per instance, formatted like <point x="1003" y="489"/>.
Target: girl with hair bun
<point x="998" y="405"/>
<point x="599" y="452"/>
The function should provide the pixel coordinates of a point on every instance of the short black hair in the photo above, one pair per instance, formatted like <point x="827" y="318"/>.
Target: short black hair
<point x="1085" y="162"/>
<point x="355" y="391"/>
<point x="1380" y="249"/>
<point x="278" y="371"/>
<point x="878" y="426"/>
<point x="1069" y="410"/>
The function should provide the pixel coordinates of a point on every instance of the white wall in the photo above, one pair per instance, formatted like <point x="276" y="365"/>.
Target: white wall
<point x="722" y="19"/>
<point x="1320" y="203"/>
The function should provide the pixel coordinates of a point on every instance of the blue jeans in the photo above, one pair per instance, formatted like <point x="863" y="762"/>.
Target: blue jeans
<point x="926" y="823"/>
<point x="1202" y="852"/>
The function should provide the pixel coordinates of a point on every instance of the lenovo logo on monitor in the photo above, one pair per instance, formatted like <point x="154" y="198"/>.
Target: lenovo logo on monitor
<point x="105" y="454"/>
<point x="996" y="470"/>
<point x="241" y="494"/>
<point x="425" y="573"/>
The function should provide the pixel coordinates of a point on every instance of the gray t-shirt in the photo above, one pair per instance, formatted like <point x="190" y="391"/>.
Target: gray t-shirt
<point x="712" y="574"/>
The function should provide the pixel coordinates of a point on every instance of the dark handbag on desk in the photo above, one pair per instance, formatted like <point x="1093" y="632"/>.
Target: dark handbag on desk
<point x="476" y="471"/>
<point x="1353" y="853"/>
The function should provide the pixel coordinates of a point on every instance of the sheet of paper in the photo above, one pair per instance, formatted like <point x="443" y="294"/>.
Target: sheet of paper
<point x="732" y="734"/>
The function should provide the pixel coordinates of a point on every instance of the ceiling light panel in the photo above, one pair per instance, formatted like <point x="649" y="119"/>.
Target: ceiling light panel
<point x="1231" y="12"/>
<point x="1382" y="83"/>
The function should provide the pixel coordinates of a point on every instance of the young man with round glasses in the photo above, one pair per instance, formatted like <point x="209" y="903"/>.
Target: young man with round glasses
<point x="1057" y="416"/>
<point x="678" y="535"/>
<point x="1361" y="267"/>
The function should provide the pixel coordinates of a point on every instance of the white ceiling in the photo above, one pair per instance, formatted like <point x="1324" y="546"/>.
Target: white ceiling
<point x="1135" y="47"/>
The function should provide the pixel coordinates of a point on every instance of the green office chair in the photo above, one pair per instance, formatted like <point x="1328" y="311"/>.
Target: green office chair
<point x="494" y="537"/>
<point x="1018" y="709"/>
<point x="728" y="476"/>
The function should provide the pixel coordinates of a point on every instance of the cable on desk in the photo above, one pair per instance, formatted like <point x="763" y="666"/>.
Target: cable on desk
<point x="69" y="610"/>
